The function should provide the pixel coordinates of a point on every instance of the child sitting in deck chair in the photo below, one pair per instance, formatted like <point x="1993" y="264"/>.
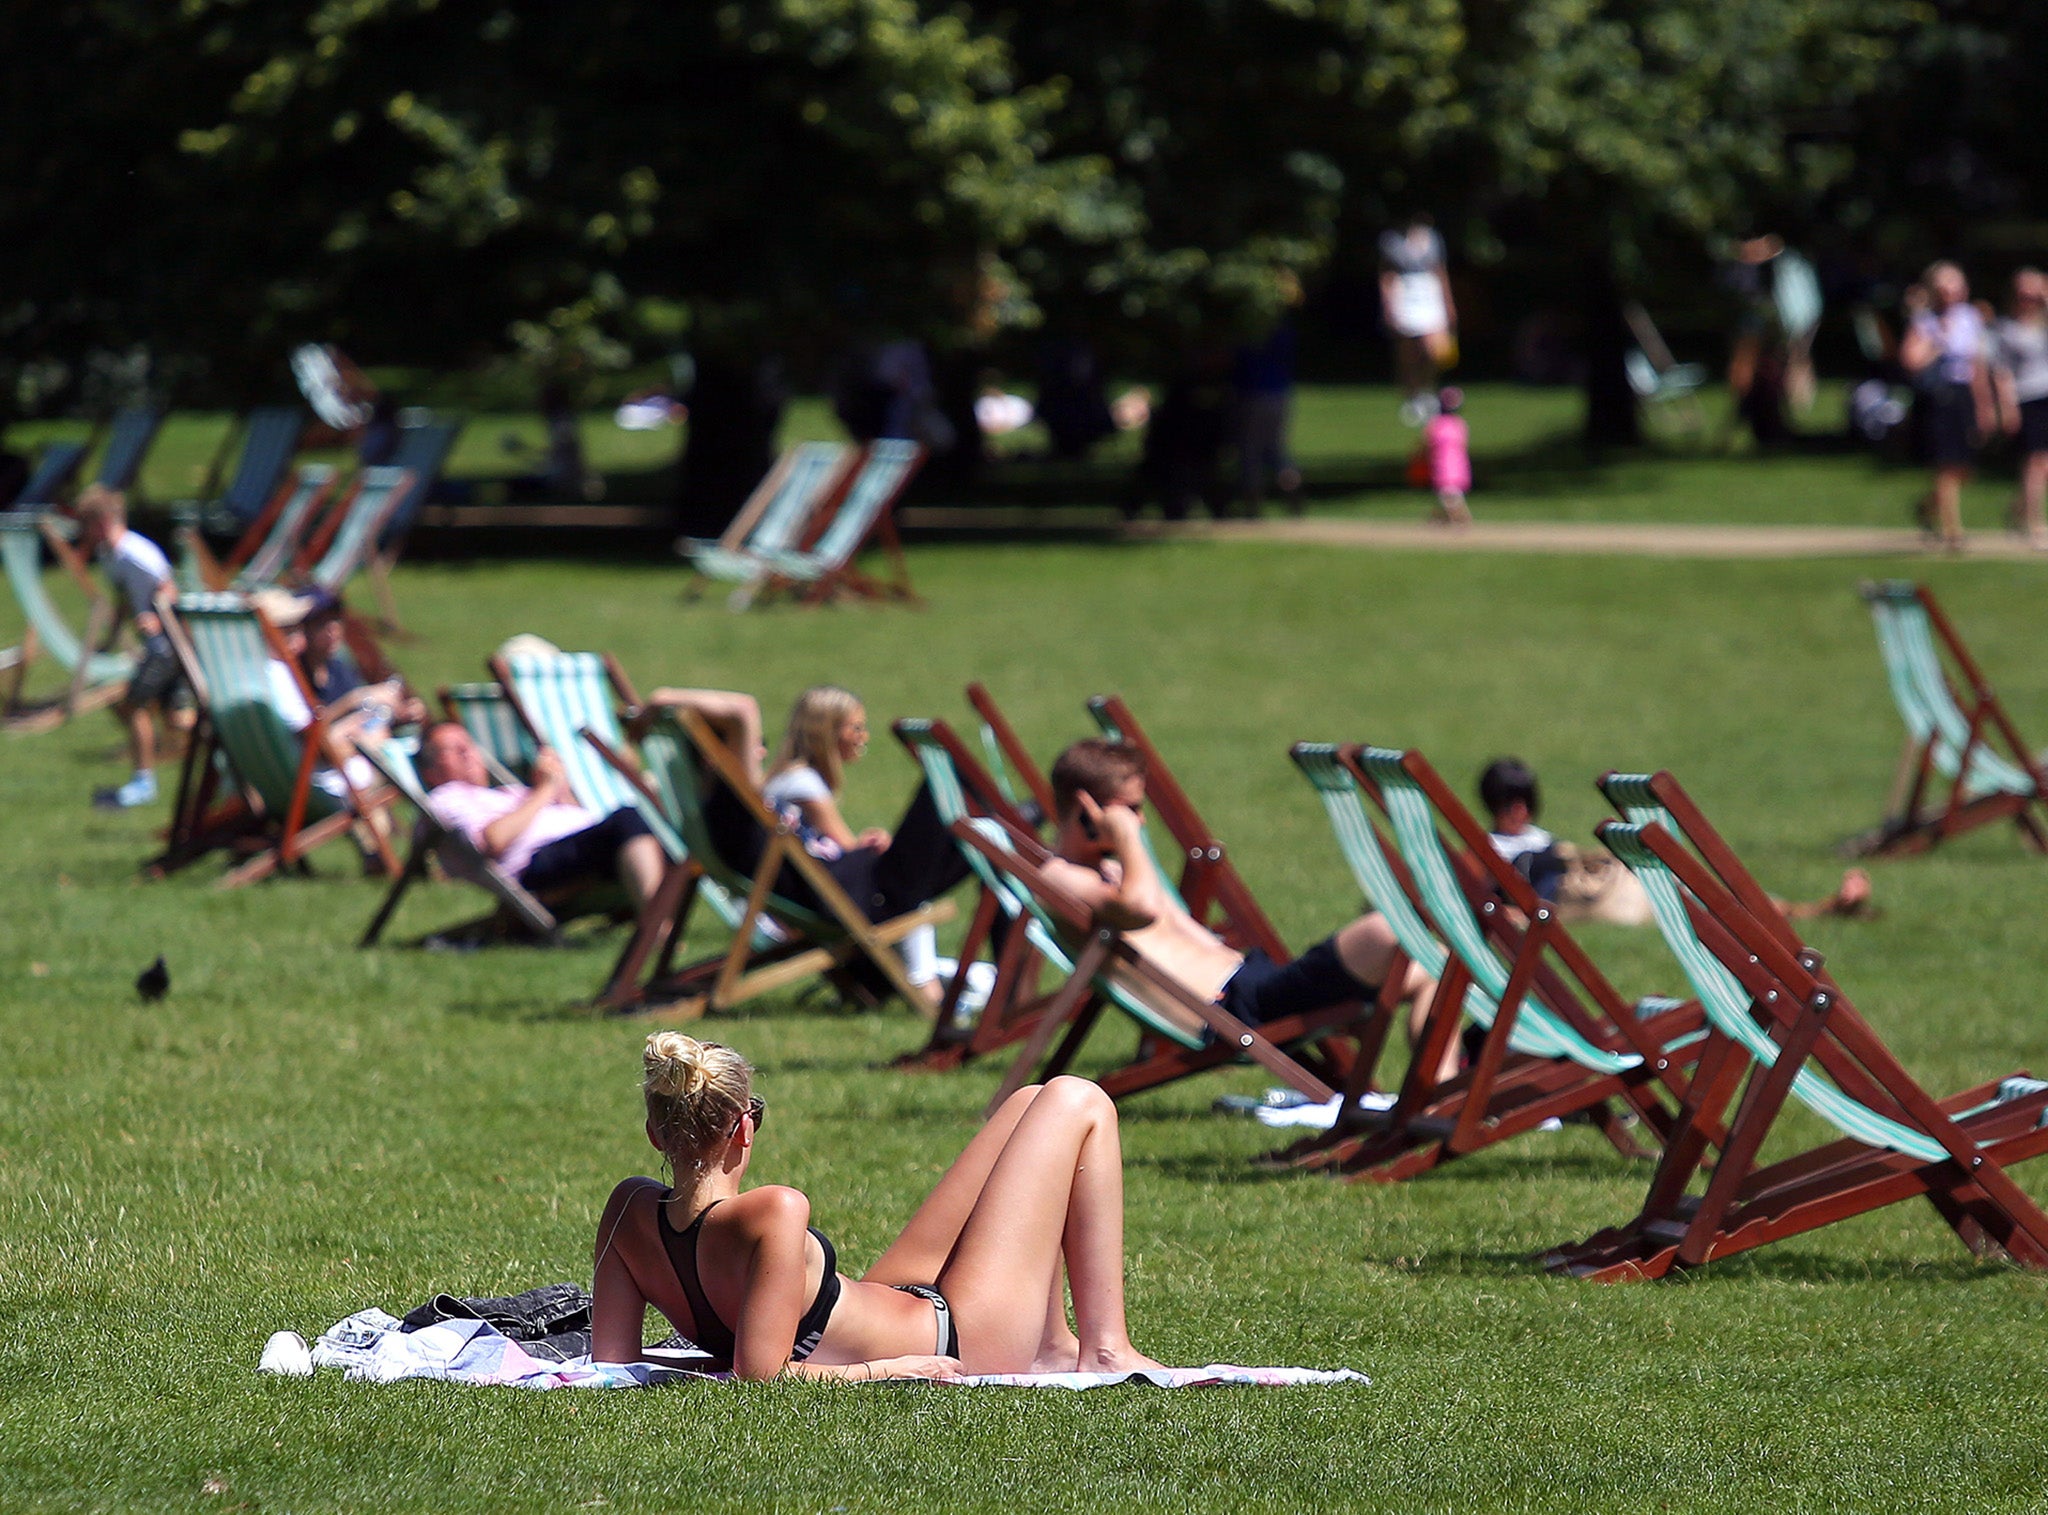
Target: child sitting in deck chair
<point x="1101" y="858"/>
<point x="139" y="572"/>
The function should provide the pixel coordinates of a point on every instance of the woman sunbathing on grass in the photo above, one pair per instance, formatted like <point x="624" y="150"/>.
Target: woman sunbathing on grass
<point x="973" y="1285"/>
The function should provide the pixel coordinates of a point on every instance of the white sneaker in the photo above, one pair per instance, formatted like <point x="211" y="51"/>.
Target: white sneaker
<point x="287" y="1353"/>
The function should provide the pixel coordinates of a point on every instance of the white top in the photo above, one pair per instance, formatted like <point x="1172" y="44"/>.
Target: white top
<point x="137" y="568"/>
<point x="2023" y="349"/>
<point x="1528" y="839"/>
<point x="787" y="792"/>
<point x="1416" y="259"/>
<point x="291" y="707"/>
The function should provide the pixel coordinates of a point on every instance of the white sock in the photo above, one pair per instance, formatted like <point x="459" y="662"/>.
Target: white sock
<point x="920" y="952"/>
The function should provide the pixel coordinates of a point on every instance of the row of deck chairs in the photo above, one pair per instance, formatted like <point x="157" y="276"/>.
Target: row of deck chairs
<point x="811" y="515"/>
<point x="1703" y="1080"/>
<point x="129" y="435"/>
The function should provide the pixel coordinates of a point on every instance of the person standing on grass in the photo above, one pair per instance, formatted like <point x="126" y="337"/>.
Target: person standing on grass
<point x="139" y="572"/>
<point x="2022" y="380"/>
<point x="1945" y="353"/>
<point x="976" y="1283"/>
<point x="1446" y="441"/>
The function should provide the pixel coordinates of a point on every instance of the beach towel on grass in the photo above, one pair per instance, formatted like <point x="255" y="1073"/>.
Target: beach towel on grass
<point x="374" y="1347"/>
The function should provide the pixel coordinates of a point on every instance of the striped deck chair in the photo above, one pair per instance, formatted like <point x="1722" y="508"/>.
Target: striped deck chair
<point x="423" y="452"/>
<point x="962" y="789"/>
<point x="269" y="439"/>
<point x="1955" y="728"/>
<point x="825" y="569"/>
<point x="1009" y="761"/>
<point x="346" y="540"/>
<point x="805" y="478"/>
<point x="265" y="550"/>
<point x="44" y="488"/>
<point x="519" y="912"/>
<point x="1182" y="1033"/>
<point x="487" y="715"/>
<point x="1782" y="1030"/>
<point x="130" y="435"/>
<point x="245" y="746"/>
<point x="94" y="678"/>
<point x="682" y="751"/>
<point x="559" y="697"/>
<point x="1558" y="1039"/>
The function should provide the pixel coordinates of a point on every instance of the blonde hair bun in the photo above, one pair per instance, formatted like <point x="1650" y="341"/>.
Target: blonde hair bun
<point x="674" y="1065"/>
<point x="694" y="1091"/>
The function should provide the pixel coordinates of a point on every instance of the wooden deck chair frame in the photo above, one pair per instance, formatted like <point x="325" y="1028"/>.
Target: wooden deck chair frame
<point x="1007" y="753"/>
<point x="203" y="819"/>
<point x="270" y="543"/>
<point x="1014" y="1001"/>
<point x="1786" y="1030"/>
<point x="345" y="541"/>
<point x="823" y="581"/>
<point x="645" y="978"/>
<point x="422" y="450"/>
<point x="97" y="677"/>
<point x="1922" y="810"/>
<point x="1551" y="986"/>
<point x="1077" y="1005"/>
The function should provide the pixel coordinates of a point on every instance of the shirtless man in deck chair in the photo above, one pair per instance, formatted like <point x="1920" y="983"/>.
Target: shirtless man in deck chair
<point x="1099" y="796"/>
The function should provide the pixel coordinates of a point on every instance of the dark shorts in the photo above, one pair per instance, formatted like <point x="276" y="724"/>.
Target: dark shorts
<point x="1949" y="426"/>
<point x="2034" y="425"/>
<point x="1262" y="990"/>
<point x="157" y="677"/>
<point x="585" y="856"/>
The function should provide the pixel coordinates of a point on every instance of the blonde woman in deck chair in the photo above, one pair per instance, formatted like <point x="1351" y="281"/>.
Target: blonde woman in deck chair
<point x="976" y="1283"/>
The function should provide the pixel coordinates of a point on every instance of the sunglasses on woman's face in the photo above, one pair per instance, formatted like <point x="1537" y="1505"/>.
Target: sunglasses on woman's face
<point x="758" y="1109"/>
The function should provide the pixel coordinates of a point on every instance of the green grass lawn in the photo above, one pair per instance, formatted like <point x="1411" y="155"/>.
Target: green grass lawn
<point x="303" y="1129"/>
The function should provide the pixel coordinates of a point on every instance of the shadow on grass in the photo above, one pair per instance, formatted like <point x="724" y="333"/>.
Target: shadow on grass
<point x="1767" y="1264"/>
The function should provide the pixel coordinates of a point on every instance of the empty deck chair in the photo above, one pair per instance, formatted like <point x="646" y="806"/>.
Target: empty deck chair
<point x="774" y="517"/>
<point x="130" y="435"/>
<point x="519" y="913"/>
<point x="47" y="483"/>
<point x="1963" y="764"/>
<point x="269" y="439"/>
<point x="1182" y="1032"/>
<point x="346" y="540"/>
<point x="1557" y="1039"/>
<point x="269" y="544"/>
<point x="94" y="678"/>
<point x="864" y="510"/>
<point x="247" y="773"/>
<point x="824" y="934"/>
<point x="1782" y="1030"/>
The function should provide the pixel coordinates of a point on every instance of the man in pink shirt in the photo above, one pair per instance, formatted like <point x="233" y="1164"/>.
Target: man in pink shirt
<point x="537" y="832"/>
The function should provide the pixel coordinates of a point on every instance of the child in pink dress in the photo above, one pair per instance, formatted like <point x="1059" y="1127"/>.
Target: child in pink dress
<point x="1450" y="464"/>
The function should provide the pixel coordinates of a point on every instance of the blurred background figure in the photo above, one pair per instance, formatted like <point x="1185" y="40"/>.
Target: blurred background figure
<point x="1944" y="352"/>
<point x="1073" y="400"/>
<point x="1447" y="442"/>
<point x="2022" y="382"/>
<point x="1415" y="299"/>
<point x="1262" y="374"/>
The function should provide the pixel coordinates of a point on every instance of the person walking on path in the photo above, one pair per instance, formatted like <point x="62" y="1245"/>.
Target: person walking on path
<point x="1944" y="352"/>
<point x="2021" y="375"/>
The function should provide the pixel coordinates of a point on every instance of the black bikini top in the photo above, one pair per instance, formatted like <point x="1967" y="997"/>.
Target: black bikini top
<point x="713" y="1334"/>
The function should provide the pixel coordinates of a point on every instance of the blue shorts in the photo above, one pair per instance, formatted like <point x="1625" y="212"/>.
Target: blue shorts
<point x="1262" y="990"/>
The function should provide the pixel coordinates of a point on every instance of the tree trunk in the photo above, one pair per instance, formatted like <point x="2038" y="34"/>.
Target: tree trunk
<point x="735" y="411"/>
<point x="1611" y="415"/>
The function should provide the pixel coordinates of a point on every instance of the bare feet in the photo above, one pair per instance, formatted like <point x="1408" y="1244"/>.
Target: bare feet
<point x="1058" y="1357"/>
<point x="1125" y="1359"/>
